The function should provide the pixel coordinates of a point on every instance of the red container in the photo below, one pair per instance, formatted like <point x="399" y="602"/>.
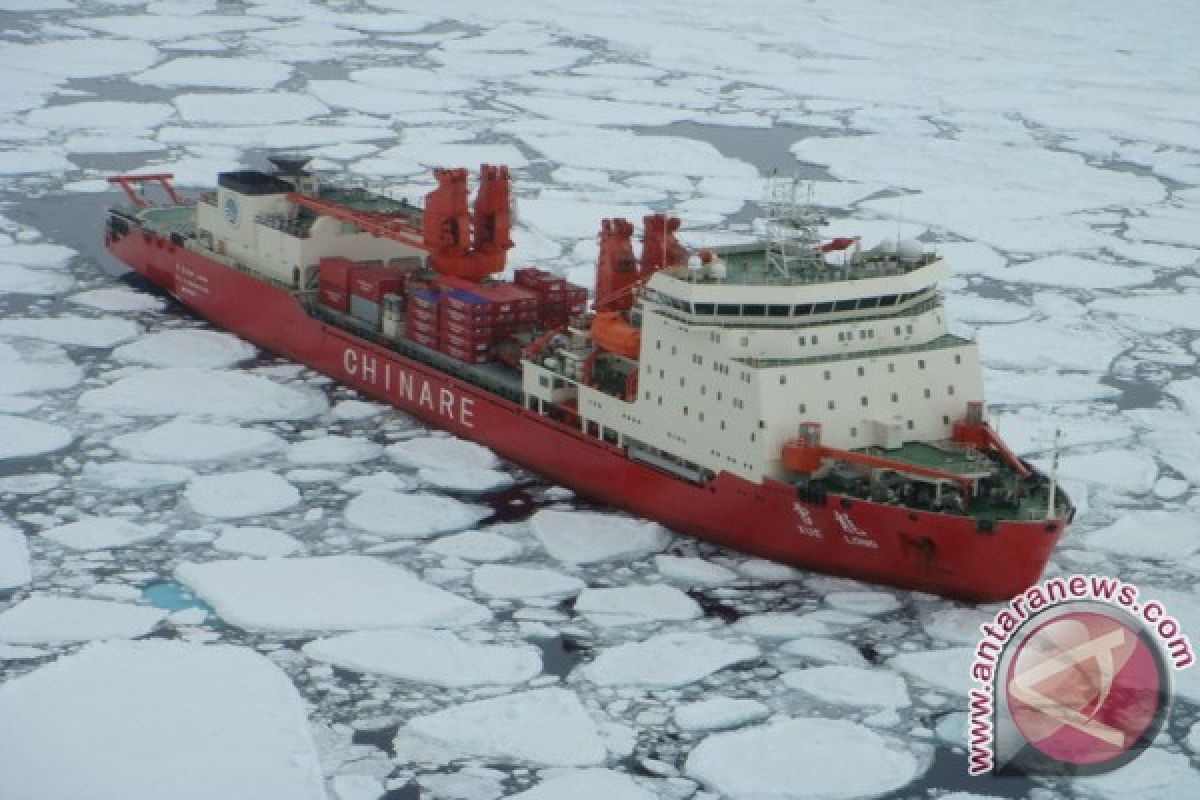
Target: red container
<point x="465" y="318"/>
<point x="334" y="298"/>
<point x="475" y="330"/>
<point x="372" y="283"/>
<point x="577" y="296"/>
<point x="335" y="272"/>
<point x="465" y="343"/>
<point x="422" y="299"/>
<point x="428" y="340"/>
<point x="416" y="326"/>
<point x="468" y="356"/>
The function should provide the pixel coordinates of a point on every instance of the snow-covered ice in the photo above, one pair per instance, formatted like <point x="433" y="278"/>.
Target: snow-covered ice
<point x="943" y="670"/>
<point x="186" y="348"/>
<point x="49" y="619"/>
<point x="15" y="567"/>
<point x="442" y="453"/>
<point x="333" y="450"/>
<point x="690" y="571"/>
<point x="513" y="582"/>
<point x="223" y="71"/>
<point x="201" y="392"/>
<point x="397" y="515"/>
<point x="586" y="784"/>
<point x="665" y="660"/>
<point x="435" y="657"/>
<point x="257" y="541"/>
<point x="71" y="330"/>
<point x="850" y="686"/>
<point x="184" y="442"/>
<point x="248" y="493"/>
<point x="95" y="533"/>
<point x="635" y="605"/>
<point x="806" y="757"/>
<point x="477" y="546"/>
<point x="546" y="727"/>
<point x="324" y="593"/>
<point x="133" y="475"/>
<point x="145" y="720"/>
<point x="582" y="537"/>
<point x="21" y="438"/>
<point x="718" y="713"/>
<point x="118" y="300"/>
<point x="1165" y="535"/>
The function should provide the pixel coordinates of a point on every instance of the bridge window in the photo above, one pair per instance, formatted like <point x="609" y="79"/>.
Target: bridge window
<point x="753" y="311"/>
<point x="801" y="341"/>
<point x="861" y="372"/>
<point x="802" y="408"/>
<point x="704" y="308"/>
<point x="895" y="397"/>
<point x="783" y="380"/>
<point x="728" y="310"/>
<point x="802" y="310"/>
<point x="888" y="300"/>
<point x="920" y="363"/>
<point x="822" y="308"/>
<point x="868" y="302"/>
<point x="845" y="305"/>
<point x="864" y="400"/>
<point x="778" y="311"/>
<point x="957" y="359"/>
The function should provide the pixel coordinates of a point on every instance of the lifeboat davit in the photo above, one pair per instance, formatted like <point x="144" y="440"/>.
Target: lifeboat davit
<point x="613" y="333"/>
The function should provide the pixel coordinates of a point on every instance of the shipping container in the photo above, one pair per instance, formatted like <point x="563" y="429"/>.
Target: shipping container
<point x="425" y="339"/>
<point x="372" y="283"/>
<point x="467" y="356"/>
<point x="335" y="272"/>
<point x="412" y="326"/>
<point x="334" y="298"/>
<point x="475" y="329"/>
<point x="464" y="343"/>
<point x="365" y="310"/>
<point x="426" y="299"/>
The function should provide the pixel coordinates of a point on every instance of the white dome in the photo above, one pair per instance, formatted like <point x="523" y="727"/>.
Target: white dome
<point x="887" y="247"/>
<point x="910" y="250"/>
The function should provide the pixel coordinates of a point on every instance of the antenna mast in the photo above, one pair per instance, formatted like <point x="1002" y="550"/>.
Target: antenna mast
<point x="793" y="241"/>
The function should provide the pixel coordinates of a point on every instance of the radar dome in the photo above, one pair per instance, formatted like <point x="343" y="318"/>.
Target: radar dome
<point x="910" y="250"/>
<point x="885" y="248"/>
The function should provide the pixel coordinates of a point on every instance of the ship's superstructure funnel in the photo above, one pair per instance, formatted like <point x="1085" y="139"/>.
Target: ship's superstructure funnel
<point x="616" y="267"/>
<point x="660" y="248"/>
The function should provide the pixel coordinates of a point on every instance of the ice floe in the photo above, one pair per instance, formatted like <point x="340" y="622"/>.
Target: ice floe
<point x="397" y="515"/>
<point x="15" y="567"/>
<point x="183" y="442"/>
<point x="476" y="546"/>
<point x="16" y="279"/>
<point x="247" y="493"/>
<point x="635" y="605"/>
<point x="50" y="619"/>
<point x="824" y="651"/>
<point x="1154" y="773"/>
<point x="545" y="727"/>
<point x="513" y="582"/>
<point x="202" y="392"/>
<point x="21" y="438"/>
<point x="264" y="108"/>
<point x="850" y="686"/>
<point x="435" y="657"/>
<point x="944" y="670"/>
<point x="586" y="784"/>
<point x="691" y="571"/>
<point x="799" y="758"/>
<point x="133" y="475"/>
<point x="719" y="713"/>
<point x="324" y="593"/>
<point x="1155" y="534"/>
<point x="584" y="537"/>
<point x="666" y="660"/>
<point x="468" y="481"/>
<point x="72" y="330"/>
<point x="117" y="300"/>
<point x="98" y="533"/>
<point x="217" y="71"/>
<point x="145" y="720"/>
<point x="186" y="348"/>
<point x="443" y="453"/>
<point x="257" y="541"/>
<point x="333" y="450"/>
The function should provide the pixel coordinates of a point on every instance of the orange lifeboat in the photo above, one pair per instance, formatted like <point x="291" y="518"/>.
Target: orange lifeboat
<point x="612" y="332"/>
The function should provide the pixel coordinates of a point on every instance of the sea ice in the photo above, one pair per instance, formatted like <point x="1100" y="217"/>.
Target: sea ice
<point x="98" y="533"/>
<point x="780" y="625"/>
<point x="666" y="660"/>
<point x="1125" y="470"/>
<point x="333" y="450"/>
<point x="15" y="567"/>
<point x="944" y="670"/>
<point x="18" y="376"/>
<point x="546" y="727"/>
<point x="264" y="108"/>
<point x="443" y="453"/>
<point x="1077" y="272"/>
<point x="474" y="481"/>
<point x="247" y="493"/>
<point x="634" y="605"/>
<point x="118" y="300"/>
<point x="396" y="515"/>
<point x="476" y="546"/>
<point x="824" y="651"/>
<point x="863" y="602"/>
<point x="802" y="758"/>
<point x="586" y="784"/>
<point x="1153" y="774"/>
<point x="585" y="537"/>
<point x="21" y="438"/>
<point x="509" y="582"/>
<point x="202" y="392"/>
<point x="1177" y="309"/>
<point x="719" y="713"/>
<point x="49" y="619"/>
<point x="101" y="115"/>
<point x="429" y="656"/>
<point x="15" y="279"/>
<point x="850" y="686"/>
<point x="154" y="719"/>
<point x="186" y="348"/>
<point x="324" y="593"/>
<point x="224" y="71"/>
<point x="1161" y="535"/>
<point x="133" y="475"/>
<point x="689" y="571"/>
<point x="257" y="541"/>
<point x="71" y="330"/>
<point x="183" y="442"/>
<point x="355" y="410"/>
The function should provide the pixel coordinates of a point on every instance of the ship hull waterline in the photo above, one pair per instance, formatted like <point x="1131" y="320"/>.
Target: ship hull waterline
<point x="913" y="549"/>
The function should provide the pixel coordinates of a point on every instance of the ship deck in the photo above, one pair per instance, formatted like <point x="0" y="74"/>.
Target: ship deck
<point x="166" y="220"/>
<point x="749" y="265"/>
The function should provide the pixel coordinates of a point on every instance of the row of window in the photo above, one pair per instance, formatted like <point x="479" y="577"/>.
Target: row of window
<point x="783" y="311"/>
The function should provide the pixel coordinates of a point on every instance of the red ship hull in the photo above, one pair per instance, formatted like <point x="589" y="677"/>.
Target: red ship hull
<point x="932" y="552"/>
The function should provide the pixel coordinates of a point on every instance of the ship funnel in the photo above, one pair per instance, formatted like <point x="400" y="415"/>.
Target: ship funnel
<point x="289" y="164"/>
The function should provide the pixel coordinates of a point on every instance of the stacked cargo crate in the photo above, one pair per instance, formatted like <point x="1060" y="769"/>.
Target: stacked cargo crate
<point x="368" y="285"/>
<point x="333" y="283"/>
<point x="421" y="319"/>
<point x="558" y="301"/>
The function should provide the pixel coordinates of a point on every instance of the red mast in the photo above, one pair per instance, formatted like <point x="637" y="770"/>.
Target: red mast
<point x="462" y="244"/>
<point x="616" y="267"/>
